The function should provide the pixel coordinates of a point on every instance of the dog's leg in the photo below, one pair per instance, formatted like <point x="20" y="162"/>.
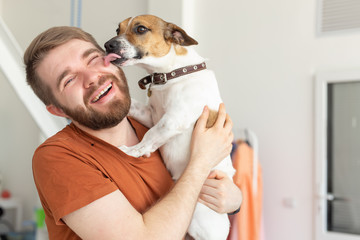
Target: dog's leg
<point x="141" y="113"/>
<point x="169" y="126"/>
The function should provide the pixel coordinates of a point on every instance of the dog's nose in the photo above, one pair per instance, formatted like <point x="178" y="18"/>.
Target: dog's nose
<point x="111" y="45"/>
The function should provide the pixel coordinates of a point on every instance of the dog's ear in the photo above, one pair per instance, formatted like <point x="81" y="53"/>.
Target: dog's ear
<point x="177" y="35"/>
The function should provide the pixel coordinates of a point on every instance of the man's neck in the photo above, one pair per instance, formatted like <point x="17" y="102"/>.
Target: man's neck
<point x="121" y="134"/>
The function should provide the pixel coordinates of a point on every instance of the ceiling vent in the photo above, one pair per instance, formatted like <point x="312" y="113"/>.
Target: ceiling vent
<point x="338" y="15"/>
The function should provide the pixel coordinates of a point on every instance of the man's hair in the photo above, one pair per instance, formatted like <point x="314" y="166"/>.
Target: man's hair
<point x="40" y="47"/>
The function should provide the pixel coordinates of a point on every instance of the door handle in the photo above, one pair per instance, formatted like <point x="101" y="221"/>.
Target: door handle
<point x="331" y="197"/>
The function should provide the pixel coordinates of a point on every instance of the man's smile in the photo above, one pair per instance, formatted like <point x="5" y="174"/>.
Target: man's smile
<point x="102" y="93"/>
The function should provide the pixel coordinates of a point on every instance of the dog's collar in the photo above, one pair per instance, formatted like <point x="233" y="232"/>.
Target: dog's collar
<point x="162" y="78"/>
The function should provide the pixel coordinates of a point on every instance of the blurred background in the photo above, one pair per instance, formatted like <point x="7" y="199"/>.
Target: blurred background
<point x="266" y="56"/>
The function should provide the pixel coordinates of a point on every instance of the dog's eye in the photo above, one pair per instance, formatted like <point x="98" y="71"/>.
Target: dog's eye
<point x="117" y="31"/>
<point x="141" y="29"/>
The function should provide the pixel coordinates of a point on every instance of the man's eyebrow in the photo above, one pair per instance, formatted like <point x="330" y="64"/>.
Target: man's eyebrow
<point x="90" y="51"/>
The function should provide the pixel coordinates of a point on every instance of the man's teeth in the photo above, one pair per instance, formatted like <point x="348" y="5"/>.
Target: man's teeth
<point x="101" y="93"/>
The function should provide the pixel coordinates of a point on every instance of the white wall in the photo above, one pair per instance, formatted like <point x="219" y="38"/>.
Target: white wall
<point x="18" y="138"/>
<point x="262" y="54"/>
<point x="170" y="11"/>
<point x="265" y="55"/>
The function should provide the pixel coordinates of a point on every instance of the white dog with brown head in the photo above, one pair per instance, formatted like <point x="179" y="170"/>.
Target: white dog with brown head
<point x="179" y="86"/>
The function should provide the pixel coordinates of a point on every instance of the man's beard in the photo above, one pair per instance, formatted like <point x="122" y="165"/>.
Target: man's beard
<point x="117" y="108"/>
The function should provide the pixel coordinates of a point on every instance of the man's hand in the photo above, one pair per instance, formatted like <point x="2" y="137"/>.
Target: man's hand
<point x="211" y="145"/>
<point x="220" y="193"/>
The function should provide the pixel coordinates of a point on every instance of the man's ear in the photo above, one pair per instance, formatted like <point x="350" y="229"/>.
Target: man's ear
<point x="55" y="111"/>
<point x="177" y="35"/>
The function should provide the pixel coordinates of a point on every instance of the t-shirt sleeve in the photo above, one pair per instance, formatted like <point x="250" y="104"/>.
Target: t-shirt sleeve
<point x="67" y="180"/>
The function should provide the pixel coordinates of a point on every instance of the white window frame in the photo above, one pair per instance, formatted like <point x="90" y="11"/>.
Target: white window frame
<point x="323" y="79"/>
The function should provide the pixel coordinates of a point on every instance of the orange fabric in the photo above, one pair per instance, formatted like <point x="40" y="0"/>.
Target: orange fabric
<point x="246" y="225"/>
<point x="73" y="168"/>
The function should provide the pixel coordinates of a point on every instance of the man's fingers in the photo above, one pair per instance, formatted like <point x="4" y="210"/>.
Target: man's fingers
<point x="201" y="122"/>
<point x="221" y="116"/>
<point x="210" y="189"/>
<point x="228" y="122"/>
<point x="216" y="174"/>
<point x="212" y="174"/>
<point x="210" y="205"/>
<point x="231" y="138"/>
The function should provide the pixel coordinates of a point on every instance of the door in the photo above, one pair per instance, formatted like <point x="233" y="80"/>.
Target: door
<point x="338" y="193"/>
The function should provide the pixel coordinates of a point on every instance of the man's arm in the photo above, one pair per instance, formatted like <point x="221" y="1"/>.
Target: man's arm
<point x="113" y="217"/>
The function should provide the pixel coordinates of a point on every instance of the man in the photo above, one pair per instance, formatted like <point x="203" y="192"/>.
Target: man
<point x="89" y="188"/>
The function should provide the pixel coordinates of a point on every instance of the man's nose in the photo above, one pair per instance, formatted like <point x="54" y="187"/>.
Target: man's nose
<point x="91" y="78"/>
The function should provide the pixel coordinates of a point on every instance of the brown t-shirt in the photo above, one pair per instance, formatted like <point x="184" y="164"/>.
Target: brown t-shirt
<point x="72" y="169"/>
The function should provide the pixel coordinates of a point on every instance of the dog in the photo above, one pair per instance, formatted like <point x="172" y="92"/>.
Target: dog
<point x="179" y="87"/>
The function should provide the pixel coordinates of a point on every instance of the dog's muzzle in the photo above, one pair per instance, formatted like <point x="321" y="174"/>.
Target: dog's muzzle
<point x="112" y="45"/>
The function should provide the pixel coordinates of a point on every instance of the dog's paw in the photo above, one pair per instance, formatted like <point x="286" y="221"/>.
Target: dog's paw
<point x="135" y="151"/>
<point x="131" y="151"/>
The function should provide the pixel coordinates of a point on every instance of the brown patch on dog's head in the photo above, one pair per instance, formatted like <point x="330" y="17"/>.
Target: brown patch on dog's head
<point x="154" y="36"/>
<point x="122" y="26"/>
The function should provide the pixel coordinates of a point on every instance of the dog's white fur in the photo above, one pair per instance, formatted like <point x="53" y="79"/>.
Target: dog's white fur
<point x="172" y="111"/>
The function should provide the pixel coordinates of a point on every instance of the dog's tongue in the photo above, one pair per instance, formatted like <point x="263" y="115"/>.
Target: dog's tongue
<point x="109" y="58"/>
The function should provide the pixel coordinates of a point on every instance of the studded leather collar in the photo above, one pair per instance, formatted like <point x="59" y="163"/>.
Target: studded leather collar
<point x="162" y="78"/>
